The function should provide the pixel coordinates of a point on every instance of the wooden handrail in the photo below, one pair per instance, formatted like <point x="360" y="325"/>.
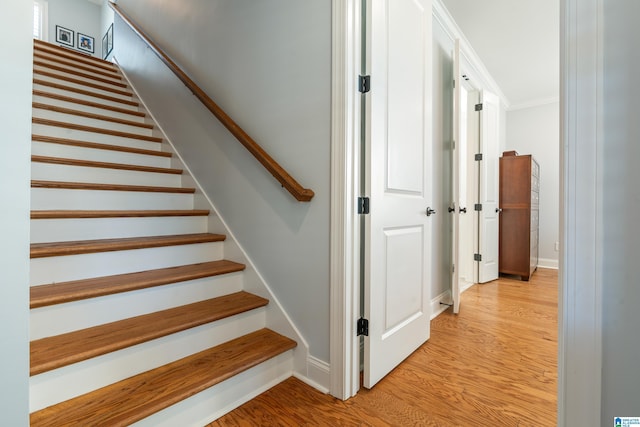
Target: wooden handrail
<point x="298" y="191"/>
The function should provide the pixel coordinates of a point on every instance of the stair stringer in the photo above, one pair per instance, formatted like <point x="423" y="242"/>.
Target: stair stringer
<point x="276" y="317"/>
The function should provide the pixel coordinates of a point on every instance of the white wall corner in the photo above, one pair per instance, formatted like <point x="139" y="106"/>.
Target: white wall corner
<point x="548" y="263"/>
<point x="440" y="303"/>
<point x="317" y="375"/>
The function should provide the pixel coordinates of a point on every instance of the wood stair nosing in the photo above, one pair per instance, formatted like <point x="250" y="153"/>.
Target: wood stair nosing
<point x="50" y="249"/>
<point x="83" y="83"/>
<point x="87" y="103"/>
<point x="75" y="214"/>
<point x="63" y="292"/>
<point x="104" y="165"/>
<point x="98" y="146"/>
<point x="73" y="347"/>
<point x="116" y="80"/>
<point x="80" y="113"/>
<point x="108" y="187"/>
<point x="92" y="129"/>
<point x="46" y="56"/>
<point x="142" y="395"/>
<point x="84" y="92"/>
<point x="71" y="55"/>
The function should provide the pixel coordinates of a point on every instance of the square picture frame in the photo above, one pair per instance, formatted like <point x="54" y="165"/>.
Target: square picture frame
<point x="64" y="36"/>
<point x="85" y="43"/>
<point x="107" y="42"/>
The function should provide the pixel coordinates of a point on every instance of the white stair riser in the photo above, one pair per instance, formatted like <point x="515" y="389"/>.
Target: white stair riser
<point x="100" y="138"/>
<point x="212" y="403"/>
<point x="69" y="229"/>
<point x="59" y="64"/>
<point x="89" y="109"/>
<point x="79" y="96"/>
<point x="70" y="72"/>
<point x="70" y="381"/>
<point x="62" y="318"/>
<point x="98" y="155"/>
<point x="74" y="267"/>
<point x="84" y="87"/>
<point x="85" y="121"/>
<point x="63" y="199"/>
<point x="68" y="173"/>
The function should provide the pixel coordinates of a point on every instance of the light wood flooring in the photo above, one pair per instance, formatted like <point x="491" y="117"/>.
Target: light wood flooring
<point x="494" y="364"/>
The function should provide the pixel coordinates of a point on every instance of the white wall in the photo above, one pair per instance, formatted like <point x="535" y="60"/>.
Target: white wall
<point x="620" y="206"/>
<point x="267" y="64"/>
<point x="79" y="16"/>
<point x="16" y="43"/>
<point x="536" y="131"/>
<point x="442" y="91"/>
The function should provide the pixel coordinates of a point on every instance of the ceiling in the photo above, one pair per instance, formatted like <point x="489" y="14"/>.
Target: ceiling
<point x="519" y="43"/>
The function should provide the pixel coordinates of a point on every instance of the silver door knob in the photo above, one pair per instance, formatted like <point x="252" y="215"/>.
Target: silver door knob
<point x="430" y="212"/>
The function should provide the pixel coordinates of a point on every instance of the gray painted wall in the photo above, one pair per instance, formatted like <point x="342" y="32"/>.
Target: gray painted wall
<point x="16" y="43"/>
<point x="274" y="80"/>
<point x="77" y="15"/>
<point x="442" y="161"/>
<point x="621" y="204"/>
<point x="536" y="131"/>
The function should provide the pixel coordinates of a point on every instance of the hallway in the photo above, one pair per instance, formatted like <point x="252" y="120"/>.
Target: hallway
<point x="494" y="364"/>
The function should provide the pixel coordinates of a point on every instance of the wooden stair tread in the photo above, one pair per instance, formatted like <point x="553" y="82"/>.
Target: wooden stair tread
<point x="88" y="103"/>
<point x="83" y="83"/>
<point x="66" y="214"/>
<point x="80" y="113"/>
<point x="137" y="397"/>
<point x="113" y="80"/>
<point x="48" y="56"/>
<point x="73" y="347"/>
<point x="74" y="126"/>
<point x="42" y="46"/>
<point x="98" y="146"/>
<point x="49" y="249"/>
<point x="62" y="292"/>
<point x="104" y="165"/>
<point x="108" y="187"/>
<point x="84" y="92"/>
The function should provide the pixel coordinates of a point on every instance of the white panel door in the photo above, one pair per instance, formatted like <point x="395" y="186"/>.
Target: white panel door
<point x="489" y="175"/>
<point x="458" y="178"/>
<point x="397" y="236"/>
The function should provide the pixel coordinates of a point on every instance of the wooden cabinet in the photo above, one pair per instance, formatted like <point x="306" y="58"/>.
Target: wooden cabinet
<point x="519" y="200"/>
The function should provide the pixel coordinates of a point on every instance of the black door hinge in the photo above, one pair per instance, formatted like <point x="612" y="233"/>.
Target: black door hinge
<point x="477" y="207"/>
<point x="478" y="157"/>
<point x="478" y="107"/>
<point x="477" y="257"/>
<point x="364" y="84"/>
<point x="363" y="205"/>
<point x="363" y="327"/>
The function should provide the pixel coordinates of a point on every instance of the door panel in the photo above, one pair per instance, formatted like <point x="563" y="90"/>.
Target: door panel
<point x="397" y="231"/>
<point x="458" y="177"/>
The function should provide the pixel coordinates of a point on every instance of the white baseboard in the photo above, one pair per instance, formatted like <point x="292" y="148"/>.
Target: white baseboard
<point x="436" y="307"/>
<point x="548" y="263"/>
<point x="318" y="375"/>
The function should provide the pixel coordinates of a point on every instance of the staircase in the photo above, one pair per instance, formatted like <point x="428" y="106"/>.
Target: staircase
<point x="136" y="315"/>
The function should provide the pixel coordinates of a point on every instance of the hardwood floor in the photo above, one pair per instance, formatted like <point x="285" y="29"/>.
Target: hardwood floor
<point x="494" y="364"/>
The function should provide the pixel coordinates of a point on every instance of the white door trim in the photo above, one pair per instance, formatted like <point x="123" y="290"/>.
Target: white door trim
<point x="345" y="188"/>
<point x="580" y="312"/>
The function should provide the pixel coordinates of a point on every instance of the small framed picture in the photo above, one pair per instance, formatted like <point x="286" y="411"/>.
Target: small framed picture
<point x="64" y="36"/>
<point x="85" y="43"/>
<point x="107" y="42"/>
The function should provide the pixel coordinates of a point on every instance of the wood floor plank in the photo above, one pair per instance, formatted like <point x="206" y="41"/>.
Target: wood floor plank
<point x="104" y="165"/>
<point x="98" y="146"/>
<point x="73" y="347"/>
<point x="494" y="364"/>
<point x="137" y="397"/>
<point x="108" y="187"/>
<point x="68" y="214"/>
<point x="46" y="122"/>
<point x="49" y="249"/>
<point x="80" y="113"/>
<point x="58" y="293"/>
